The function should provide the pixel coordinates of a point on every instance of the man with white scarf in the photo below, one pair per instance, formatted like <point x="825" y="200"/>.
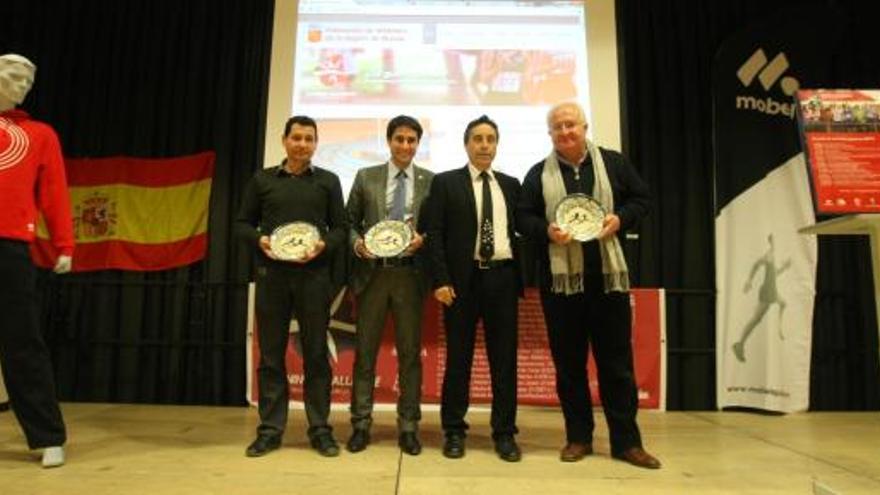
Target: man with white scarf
<point x="584" y="286"/>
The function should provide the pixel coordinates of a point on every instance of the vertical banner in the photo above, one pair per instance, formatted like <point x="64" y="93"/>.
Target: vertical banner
<point x="536" y="374"/>
<point x="765" y="270"/>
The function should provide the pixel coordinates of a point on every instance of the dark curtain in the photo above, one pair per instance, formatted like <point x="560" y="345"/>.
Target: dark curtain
<point x="152" y="79"/>
<point x="666" y="52"/>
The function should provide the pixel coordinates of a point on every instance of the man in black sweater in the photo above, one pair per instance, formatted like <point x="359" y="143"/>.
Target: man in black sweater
<point x="294" y="191"/>
<point x="585" y="286"/>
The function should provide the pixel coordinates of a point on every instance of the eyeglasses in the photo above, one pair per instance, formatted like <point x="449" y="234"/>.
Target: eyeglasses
<point x="565" y="126"/>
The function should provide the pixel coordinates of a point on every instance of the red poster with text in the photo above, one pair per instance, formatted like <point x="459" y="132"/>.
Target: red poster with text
<point x="840" y="130"/>
<point x="536" y="375"/>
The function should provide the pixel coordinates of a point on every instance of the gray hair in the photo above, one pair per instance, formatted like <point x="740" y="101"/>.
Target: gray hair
<point x="582" y="118"/>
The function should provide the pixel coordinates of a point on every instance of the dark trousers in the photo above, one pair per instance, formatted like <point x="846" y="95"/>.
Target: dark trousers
<point x="27" y="367"/>
<point x="304" y="293"/>
<point x="492" y="297"/>
<point x="399" y="290"/>
<point x="603" y="320"/>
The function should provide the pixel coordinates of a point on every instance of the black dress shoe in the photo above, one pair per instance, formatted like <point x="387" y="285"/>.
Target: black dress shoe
<point x="507" y="449"/>
<point x="262" y="446"/>
<point x="453" y="447"/>
<point x="325" y="444"/>
<point x="409" y="443"/>
<point x="4" y="406"/>
<point x="359" y="440"/>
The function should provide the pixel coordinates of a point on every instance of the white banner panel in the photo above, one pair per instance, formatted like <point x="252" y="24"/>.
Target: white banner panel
<point x="766" y="273"/>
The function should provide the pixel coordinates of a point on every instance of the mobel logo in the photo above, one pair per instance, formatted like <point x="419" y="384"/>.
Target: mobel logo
<point x="768" y="74"/>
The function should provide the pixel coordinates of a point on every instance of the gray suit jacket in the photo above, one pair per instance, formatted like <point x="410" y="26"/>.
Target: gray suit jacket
<point x="366" y="207"/>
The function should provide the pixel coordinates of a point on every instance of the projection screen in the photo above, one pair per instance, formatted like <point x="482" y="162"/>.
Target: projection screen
<point x="354" y="64"/>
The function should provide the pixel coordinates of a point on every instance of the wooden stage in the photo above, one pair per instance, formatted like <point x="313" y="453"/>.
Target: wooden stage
<point x="157" y="450"/>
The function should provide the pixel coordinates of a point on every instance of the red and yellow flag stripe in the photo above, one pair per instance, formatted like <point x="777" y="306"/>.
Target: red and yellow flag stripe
<point x="137" y="214"/>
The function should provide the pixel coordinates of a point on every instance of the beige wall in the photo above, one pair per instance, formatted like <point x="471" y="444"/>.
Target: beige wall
<point x="280" y="77"/>
<point x="3" y="396"/>
<point x="602" y="55"/>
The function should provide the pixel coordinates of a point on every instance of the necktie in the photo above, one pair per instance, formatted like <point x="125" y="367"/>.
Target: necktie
<point x="398" y="202"/>
<point x="487" y="231"/>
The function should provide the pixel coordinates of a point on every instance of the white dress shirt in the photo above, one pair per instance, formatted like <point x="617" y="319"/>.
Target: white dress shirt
<point x="503" y="250"/>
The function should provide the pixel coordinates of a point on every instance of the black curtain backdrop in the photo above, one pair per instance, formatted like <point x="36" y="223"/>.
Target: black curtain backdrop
<point x="667" y="50"/>
<point x="167" y="78"/>
<point x="152" y="79"/>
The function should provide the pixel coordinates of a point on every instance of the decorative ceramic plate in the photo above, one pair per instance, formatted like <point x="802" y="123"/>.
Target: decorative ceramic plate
<point x="293" y="241"/>
<point x="388" y="238"/>
<point x="581" y="216"/>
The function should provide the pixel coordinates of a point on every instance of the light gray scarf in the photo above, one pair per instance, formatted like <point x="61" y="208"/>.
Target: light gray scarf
<point x="567" y="261"/>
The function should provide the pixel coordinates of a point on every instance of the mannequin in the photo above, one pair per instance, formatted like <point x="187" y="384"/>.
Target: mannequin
<point x="31" y="178"/>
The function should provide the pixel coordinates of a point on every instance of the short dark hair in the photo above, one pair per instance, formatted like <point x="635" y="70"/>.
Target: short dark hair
<point x="483" y="119"/>
<point x="303" y="121"/>
<point x="403" y="121"/>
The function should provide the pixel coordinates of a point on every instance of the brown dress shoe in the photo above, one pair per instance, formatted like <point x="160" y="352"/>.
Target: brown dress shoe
<point x="574" y="452"/>
<point x="638" y="457"/>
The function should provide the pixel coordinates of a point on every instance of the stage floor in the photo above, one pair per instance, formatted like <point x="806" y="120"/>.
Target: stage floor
<point x="121" y="449"/>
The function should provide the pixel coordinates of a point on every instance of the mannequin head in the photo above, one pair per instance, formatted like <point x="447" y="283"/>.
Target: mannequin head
<point x="16" y="79"/>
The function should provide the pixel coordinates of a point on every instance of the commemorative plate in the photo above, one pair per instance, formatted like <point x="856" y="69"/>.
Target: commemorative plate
<point x="293" y="241"/>
<point x="581" y="216"/>
<point x="388" y="238"/>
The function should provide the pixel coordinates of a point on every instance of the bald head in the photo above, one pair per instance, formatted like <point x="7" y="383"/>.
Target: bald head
<point x="16" y="78"/>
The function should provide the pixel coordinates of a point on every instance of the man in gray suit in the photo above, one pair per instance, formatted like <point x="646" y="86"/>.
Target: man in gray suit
<point x="393" y="190"/>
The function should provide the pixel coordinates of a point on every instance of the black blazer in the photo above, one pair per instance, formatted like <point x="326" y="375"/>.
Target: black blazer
<point x="452" y="226"/>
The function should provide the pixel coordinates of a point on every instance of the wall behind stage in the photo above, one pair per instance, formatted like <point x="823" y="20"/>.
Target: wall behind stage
<point x="151" y="79"/>
<point x="167" y="78"/>
<point x="667" y="51"/>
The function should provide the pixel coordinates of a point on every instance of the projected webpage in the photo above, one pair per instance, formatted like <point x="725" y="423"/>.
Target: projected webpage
<point x="360" y="63"/>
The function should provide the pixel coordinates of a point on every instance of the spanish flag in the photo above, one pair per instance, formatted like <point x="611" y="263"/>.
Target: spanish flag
<point x="136" y="214"/>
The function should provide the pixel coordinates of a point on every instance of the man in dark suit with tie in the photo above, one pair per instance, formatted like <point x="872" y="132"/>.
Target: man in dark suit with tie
<point x="472" y="245"/>
<point x="393" y="190"/>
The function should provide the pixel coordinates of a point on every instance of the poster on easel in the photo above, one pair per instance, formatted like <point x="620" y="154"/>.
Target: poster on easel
<point x="840" y="130"/>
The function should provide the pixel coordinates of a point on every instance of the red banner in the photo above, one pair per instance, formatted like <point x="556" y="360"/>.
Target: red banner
<point x="136" y="214"/>
<point x="536" y="375"/>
